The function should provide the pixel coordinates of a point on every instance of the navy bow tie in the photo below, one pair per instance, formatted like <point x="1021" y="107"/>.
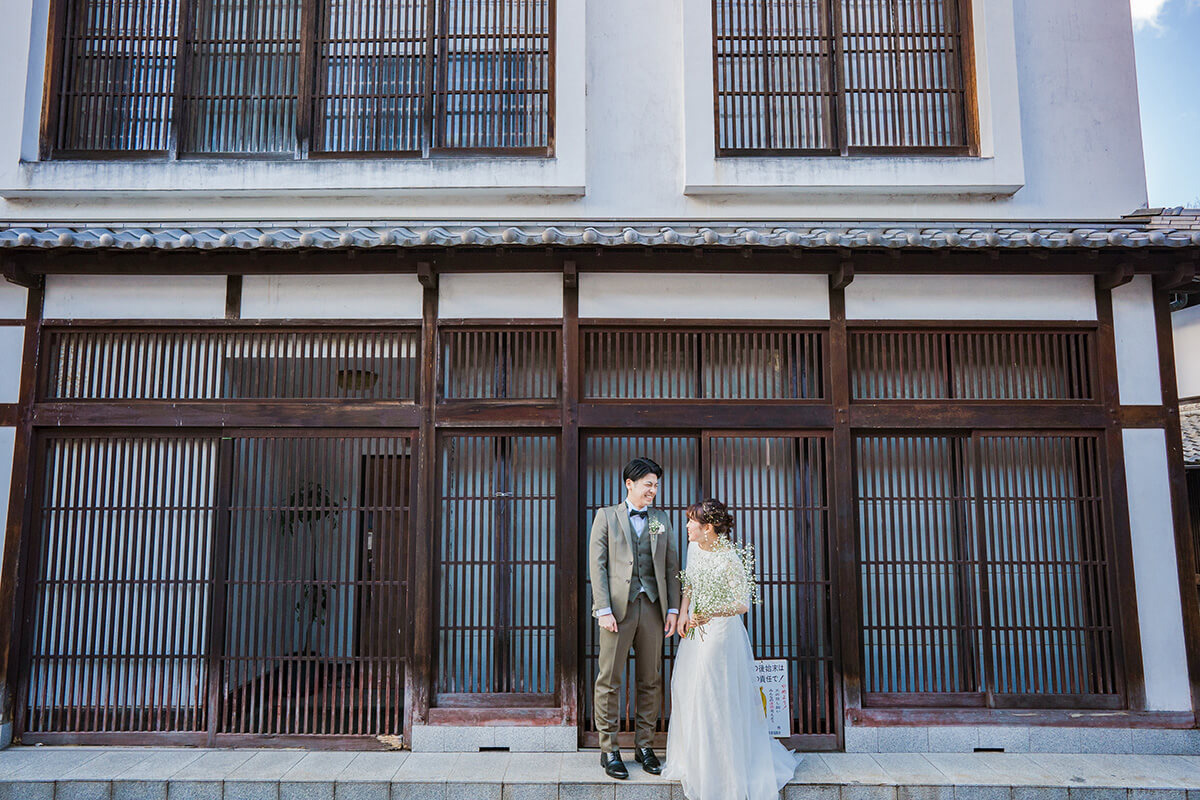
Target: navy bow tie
<point x="641" y="514"/>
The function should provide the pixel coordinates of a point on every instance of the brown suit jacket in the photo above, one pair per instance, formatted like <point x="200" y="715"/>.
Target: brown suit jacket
<point x="611" y="551"/>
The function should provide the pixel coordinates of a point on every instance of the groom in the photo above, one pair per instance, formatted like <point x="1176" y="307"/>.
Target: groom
<point x="634" y="565"/>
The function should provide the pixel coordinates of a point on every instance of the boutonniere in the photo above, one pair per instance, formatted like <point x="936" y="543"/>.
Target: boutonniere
<point x="655" y="527"/>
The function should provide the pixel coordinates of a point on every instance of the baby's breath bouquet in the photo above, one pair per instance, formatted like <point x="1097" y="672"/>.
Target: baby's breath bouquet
<point x="720" y="586"/>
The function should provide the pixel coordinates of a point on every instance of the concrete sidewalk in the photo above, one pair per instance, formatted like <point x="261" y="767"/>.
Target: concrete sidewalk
<point x="109" y="773"/>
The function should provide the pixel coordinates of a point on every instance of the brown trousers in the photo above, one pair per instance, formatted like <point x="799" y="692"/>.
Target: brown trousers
<point x="642" y="629"/>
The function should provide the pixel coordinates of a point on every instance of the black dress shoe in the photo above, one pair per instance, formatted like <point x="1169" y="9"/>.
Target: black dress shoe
<point x="645" y="756"/>
<point x="614" y="767"/>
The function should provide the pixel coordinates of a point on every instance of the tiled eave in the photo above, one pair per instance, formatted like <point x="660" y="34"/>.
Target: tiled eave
<point x="1189" y="421"/>
<point x="1122" y="236"/>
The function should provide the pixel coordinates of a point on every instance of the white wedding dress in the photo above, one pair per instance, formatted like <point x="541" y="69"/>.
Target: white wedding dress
<point x="718" y="744"/>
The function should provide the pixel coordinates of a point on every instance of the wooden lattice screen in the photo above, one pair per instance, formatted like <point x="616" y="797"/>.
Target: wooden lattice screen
<point x="824" y="77"/>
<point x="217" y="585"/>
<point x="762" y="364"/>
<point x="200" y="363"/>
<point x="972" y="365"/>
<point x="497" y="571"/>
<point x="777" y="486"/>
<point x="301" y="77"/>
<point x="494" y="364"/>
<point x="985" y="571"/>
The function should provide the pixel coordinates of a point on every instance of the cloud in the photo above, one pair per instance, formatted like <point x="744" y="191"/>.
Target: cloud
<point x="1147" y="13"/>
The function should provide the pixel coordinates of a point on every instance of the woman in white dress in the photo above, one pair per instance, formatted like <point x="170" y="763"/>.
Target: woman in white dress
<point x="718" y="744"/>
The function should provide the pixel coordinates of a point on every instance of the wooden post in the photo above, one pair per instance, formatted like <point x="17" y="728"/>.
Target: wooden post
<point x="18" y="529"/>
<point x="570" y="638"/>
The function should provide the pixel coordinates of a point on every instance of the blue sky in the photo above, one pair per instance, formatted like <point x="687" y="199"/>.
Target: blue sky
<point x="1167" y="40"/>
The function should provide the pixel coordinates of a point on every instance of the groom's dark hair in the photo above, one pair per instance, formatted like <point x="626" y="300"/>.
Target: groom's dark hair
<point x="640" y="467"/>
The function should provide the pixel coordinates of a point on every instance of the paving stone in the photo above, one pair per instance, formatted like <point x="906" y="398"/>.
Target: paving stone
<point x="107" y="765"/>
<point x="1009" y="738"/>
<point x="479" y="768"/>
<point x="561" y="739"/>
<point x="794" y="792"/>
<point x="854" y="768"/>
<point x="475" y="790"/>
<point x="966" y="770"/>
<point x="267" y="766"/>
<point x="467" y="739"/>
<point x="426" y="767"/>
<point x="903" y="740"/>
<point x="541" y="768"/>
<point x="194" y="790"/>
<point x="861" y="740"/>
<point x="924" y="793"/>
<point x="1053" y="740"/>
<point x="1105" y="740"/>
<point x="910" y="768"/>
<point x="27" y="790"/>
<point x="1157" y="794"/>
<point x="160" y="765"/>
<point x="812" y="769"/>
<point x="370" y="767"/>
<point x="82" y="790"/>
<point x="982" y="792"/>
<point x="1097" y="793"/>
<point x="305" y="790"/>
<point x="428" y="739"/>
<point x="322" y="767"/>
<point x="1166" y="742"/>
<point x="40" y="764"/>
<point x="520" y="739"/>
<point x="660" y="790"/>
<point x="362" y="790"/>
<point x="252" y="790"/>
<point x="868" y="793"/>
<point x="213" y="765"/>
<point x="1039" y="793"/>
<point x="590" y="791"/>
<point x="953" y="739"/>
<point x="139" y="790"/>
<point x="530" y="791"/>
<point x="419" y="791"/>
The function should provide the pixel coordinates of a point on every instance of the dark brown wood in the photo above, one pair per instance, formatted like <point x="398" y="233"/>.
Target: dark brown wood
<point x="1117" y="275"/>
<point x="18" y="517"/>
<point x="1055" y="718"/>
<point x="419" y="694"/>
<point x="497" y="716"/>
<point x="233" y="297"/>
<point x="570" y="588"/>
<point x="706" y="415"/>
<point x="218" y="558"/>
<point x="1143" y="416"/>
<point x="1117" y="510"/>
<point x="981" y="415"/>
<point x="1186" y="556"/>
<point x="51" y="100"/>
<point x="218" y="414"/>
<point x="9" y="414"/>
<point x="497" y="700"/>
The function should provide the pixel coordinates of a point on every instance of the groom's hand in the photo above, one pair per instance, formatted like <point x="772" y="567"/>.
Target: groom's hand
<point x="608" y="622"/>
<point x="669" y="628"/>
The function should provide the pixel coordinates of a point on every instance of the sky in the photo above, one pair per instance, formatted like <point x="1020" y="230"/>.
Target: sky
<point x="1167" y="41"/>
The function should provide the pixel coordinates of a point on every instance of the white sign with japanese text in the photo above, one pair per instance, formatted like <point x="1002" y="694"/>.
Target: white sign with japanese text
<point x="772" y="677"/>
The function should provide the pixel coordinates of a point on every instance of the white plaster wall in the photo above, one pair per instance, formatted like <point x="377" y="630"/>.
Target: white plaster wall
<point x="135" y="297"/>
<point x="1138" y="376"/>
<point x="972" y="297"/>
<point x="1160" y="616"/>
<point x="13" y="300"/>
<point x="1186" y="330"/>
<point x="12" y="339"/>
<point x="500" y="295"/>
<point x="647" y="295"/>
<point x="1070" y="61"/>
<point x="331" y="297"/>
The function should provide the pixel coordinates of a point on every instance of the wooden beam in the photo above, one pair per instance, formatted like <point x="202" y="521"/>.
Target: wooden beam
<point x="216" y="414"/>
<point x="1118" y="275"/>
<point x="842" y="275"/>
<point x="1183" y="275"/>
<point x="945" y="414"/>
<point x="704" y="415"/>
<point x="426" y="275"/>
<point x="570" y="588"/>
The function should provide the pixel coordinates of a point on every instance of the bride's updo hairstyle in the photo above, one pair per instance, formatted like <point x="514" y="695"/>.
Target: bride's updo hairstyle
<point x="712" y="512"/>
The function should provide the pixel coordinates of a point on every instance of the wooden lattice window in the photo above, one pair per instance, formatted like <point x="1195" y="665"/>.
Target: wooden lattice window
<point x="1000" y="365"/>
<point x="156" y="362"/>
<point x="849" y="77"/>
<point x="500" y="364"/>
<point x="291" y="78"/>
<point x="986" y="571"/>
<point x="680" y="364"/>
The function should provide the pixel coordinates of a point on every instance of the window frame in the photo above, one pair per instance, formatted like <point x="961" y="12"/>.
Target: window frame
<point x="309" y="97"/>
<point x="830" y="14"/>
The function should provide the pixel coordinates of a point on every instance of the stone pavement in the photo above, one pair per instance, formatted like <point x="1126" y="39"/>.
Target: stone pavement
<point x="155" y="773"/>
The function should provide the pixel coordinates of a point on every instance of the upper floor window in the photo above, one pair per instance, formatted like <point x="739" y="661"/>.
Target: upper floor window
<point x="300" y="78"/>
<point x="840" y="77"/>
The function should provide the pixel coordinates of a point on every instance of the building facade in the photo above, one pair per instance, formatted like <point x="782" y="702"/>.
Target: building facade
<point x="327" y="326"/>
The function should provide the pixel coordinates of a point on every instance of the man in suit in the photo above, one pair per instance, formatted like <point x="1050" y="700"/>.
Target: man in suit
<point x="634" y="565"/>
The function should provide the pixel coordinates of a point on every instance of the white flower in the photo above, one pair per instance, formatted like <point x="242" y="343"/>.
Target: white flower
<point x="655" y="527"/>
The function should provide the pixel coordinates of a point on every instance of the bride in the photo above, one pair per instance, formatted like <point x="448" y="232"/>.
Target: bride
<point x="718" y="744"/>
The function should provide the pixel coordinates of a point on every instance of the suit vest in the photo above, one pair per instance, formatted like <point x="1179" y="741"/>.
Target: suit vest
<point x="643" y="566"/>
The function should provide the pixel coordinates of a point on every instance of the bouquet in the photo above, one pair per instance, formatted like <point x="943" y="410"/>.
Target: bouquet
<point x="722" y="586"/>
